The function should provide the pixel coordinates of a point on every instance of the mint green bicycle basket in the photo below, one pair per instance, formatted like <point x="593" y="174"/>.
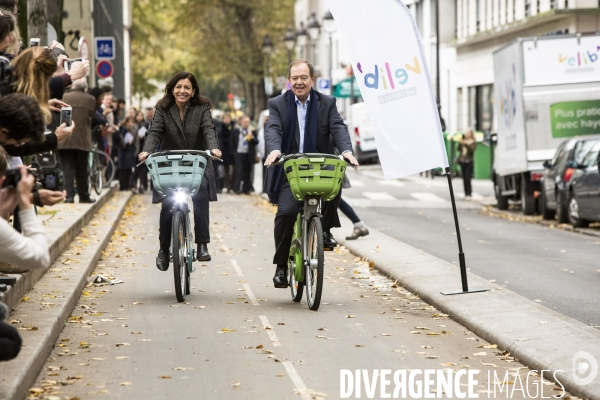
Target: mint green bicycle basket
<point x="315" y="176"/>
<point x="173" y="171"/>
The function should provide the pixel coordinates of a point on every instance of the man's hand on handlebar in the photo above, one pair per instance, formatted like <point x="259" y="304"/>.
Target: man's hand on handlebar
<point x="143" y="155"/>
<point x="272" y="157"/>
<point x="351" y="159"/>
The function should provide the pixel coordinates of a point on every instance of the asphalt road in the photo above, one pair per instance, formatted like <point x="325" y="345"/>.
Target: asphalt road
<point x="237" y="337"/>
<point x="557" y="268"/>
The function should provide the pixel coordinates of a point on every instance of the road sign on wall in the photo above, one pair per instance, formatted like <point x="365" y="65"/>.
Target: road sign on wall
<point x="84" y="48"/>
<point x="105" y="48"/>
<point x="104" y="69"/>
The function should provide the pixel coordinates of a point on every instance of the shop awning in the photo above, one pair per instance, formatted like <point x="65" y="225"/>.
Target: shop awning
<point x="342" y="89"/>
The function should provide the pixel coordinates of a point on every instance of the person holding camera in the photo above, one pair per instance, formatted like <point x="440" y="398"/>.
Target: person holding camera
<point x="7" y="26"/>
<point x="183" y="122"/>
<point x="21" y="125"/>
<point x="73" y="152"/>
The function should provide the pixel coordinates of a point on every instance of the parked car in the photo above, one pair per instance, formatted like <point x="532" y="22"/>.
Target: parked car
<point x="584" y="197"/>
<point x="361" y="133"/>
<point x="556" y="184"/>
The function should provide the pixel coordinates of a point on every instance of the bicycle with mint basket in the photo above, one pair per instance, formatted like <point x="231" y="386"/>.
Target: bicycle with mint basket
<point x="178" y="173"/>
<point x="313" y="178"/>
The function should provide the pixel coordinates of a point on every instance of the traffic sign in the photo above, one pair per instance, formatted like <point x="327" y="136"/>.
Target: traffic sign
<point x="105" y="48"/>
<point x="323" y="84"/>
<point x="84" y="48"/>
<point x="104" y="69"/>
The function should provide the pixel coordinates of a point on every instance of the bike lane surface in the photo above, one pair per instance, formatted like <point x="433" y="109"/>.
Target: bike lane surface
<point x="236" y="337"/>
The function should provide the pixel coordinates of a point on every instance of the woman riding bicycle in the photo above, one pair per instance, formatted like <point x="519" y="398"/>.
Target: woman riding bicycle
<point x="182" y="121"/>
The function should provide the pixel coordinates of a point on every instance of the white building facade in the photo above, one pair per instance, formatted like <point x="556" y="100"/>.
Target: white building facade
<point x="469" y="33"/>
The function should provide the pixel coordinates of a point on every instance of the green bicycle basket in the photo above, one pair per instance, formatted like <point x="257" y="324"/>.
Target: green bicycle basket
<point x="315" y="176"/>
<point x="173" y="171"/>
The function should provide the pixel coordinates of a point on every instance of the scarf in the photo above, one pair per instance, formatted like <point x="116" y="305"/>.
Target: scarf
<point x="310" y="138"/>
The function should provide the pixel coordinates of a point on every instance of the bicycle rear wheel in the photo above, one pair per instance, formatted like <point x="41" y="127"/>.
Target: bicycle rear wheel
<point x="179" y="256"/>
<point x="106" y="166"/>
<point x="315" y="263"/>
<point x="97" y="173"/>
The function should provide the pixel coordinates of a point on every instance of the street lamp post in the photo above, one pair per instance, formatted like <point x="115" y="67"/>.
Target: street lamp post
<point x="301" y="35"/>
<point x="329" y="27"/>
<point x="267" y="49"/>
<point x="313" y="31"/>
<point x="290" y="41"/>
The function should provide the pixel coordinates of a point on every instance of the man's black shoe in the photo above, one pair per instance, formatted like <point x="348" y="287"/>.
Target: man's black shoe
<point x="280" y="279"/>
<point x="329" y="242"/>
<point x="203" y="254"/>
<point x="88" y="200"/>
<point x="162" y="261"/>
<point x="69" y="200"/>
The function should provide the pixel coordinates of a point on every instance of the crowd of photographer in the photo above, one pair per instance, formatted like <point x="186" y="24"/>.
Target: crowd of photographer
<point x="48" y="124"/>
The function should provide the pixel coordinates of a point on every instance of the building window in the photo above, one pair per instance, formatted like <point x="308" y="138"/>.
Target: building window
<point x="527" y="8"/>
<point x="479" y="14"/>
<point x="481" y="108"/>
<point x="553" y="4"/>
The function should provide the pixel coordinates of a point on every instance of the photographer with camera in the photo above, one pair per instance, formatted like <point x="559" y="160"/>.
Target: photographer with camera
<point x="7" y="26"/>
<point x="21" y="125"/>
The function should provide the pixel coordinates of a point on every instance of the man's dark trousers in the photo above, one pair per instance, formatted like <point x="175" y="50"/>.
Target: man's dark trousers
<point x="242" y="173"/>
<point x="287" y="211"/>
<point x="74" y="165"/>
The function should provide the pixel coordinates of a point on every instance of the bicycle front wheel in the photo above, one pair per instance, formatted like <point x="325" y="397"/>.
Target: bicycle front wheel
<point x="107" y="167"/>
<point x="315" y="261"/>
<point x="179" y="256"/>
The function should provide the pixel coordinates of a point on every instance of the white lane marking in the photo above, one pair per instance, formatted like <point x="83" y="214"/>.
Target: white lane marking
<point x="356" y="183"/>
<point x="428" y="197"/>
<point x="404" y="203"/>
<point x="250" y="294"/>
<point x="392" y="182"/>
<point x="237" y="268"/>
<point x="378" y="196"/>
<point x="298" y="382"/>
<point x="270" y="331"/>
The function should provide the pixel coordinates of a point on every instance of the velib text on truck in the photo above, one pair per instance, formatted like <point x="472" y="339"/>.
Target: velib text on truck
<point x="546" y="89"/>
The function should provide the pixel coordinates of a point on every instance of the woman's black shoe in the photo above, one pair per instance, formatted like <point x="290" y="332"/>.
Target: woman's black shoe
<point x="162" y="261"/>
<point x="203" y="254"/>
<point x="280" y="279"/>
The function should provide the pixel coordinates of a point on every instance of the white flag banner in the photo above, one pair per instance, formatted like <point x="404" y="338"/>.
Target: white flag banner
<point x="388" y="61"/>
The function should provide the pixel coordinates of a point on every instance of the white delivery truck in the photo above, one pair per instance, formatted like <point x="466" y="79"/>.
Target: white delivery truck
<point x="546" y="89"/>
<point x="361" y="133"/>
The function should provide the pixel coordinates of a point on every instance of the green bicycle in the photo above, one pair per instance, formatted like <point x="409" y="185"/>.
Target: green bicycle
<point x="313" y="178"/>
<point x="178" y="173"/>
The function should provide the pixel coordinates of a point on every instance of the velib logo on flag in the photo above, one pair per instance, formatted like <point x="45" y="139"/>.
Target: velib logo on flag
<point x="399" y="77"/>
<point x="394" y="82"/>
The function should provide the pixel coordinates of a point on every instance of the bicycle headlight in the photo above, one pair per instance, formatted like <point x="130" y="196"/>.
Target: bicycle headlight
<point x="180" y="197"/>
<point x="313" y="202"/>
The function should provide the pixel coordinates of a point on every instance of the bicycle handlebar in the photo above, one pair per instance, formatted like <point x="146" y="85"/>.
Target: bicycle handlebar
<point x="283" y="158"/>
<point x="205" y="153"/>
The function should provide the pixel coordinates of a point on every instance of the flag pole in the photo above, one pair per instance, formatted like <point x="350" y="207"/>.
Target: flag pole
<point x="461" y="255"/>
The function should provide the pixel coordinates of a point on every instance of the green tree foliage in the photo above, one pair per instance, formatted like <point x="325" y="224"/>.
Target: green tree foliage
<point x="220" y="41"/>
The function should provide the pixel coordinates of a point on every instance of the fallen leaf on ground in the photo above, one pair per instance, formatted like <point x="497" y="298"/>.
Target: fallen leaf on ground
<point x="125" y="383"/>
<point x="121" y="357"/>
<point x="481" y="353"/>
<point x="165" y="377"/>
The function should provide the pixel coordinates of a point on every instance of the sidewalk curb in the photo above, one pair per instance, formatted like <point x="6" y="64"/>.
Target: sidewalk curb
<point x="26" y="281"/>
<point x="20" y="374"/>
<point x="535" y="335"/>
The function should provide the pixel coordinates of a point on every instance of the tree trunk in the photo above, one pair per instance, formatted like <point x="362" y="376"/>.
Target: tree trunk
<point x="55" y="10"/>
<point x="261" y="98"/>
<point x="38" y="21"/>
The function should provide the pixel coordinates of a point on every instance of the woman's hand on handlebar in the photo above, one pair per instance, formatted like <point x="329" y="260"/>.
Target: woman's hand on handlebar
<point x="216" y="152"/>
<point x="143" y="155"/>
<point x="272" y="157"/>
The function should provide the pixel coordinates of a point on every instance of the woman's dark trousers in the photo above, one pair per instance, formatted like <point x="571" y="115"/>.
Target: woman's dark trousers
<point x="201" y="217"/>
<point x="467" y="175"/>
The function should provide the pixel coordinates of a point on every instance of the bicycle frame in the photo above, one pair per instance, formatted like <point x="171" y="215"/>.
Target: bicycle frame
<point x="308" y="209"/>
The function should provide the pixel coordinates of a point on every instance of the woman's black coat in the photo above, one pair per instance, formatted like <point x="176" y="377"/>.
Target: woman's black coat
<point x="196" y="132"/>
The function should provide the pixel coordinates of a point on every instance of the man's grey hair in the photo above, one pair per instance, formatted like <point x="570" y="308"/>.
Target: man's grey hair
<point x="80" y="84"/>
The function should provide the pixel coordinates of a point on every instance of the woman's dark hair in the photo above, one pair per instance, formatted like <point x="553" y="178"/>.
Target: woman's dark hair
<point x="169" y="99"/>
<point x="22" y="117"/>
<point x="7" y="25"/>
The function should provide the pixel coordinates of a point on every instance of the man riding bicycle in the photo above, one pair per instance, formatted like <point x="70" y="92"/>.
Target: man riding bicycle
<point x="301" y="121"/>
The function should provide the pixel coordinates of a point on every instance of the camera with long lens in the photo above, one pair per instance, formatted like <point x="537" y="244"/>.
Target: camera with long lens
<point x="13" y="176"/>
<point x="50" y="175"/>
<point x="6" y="76"/>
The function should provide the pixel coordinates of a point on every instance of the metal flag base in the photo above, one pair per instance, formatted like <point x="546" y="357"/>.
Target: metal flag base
<point x="461" y="255"/>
